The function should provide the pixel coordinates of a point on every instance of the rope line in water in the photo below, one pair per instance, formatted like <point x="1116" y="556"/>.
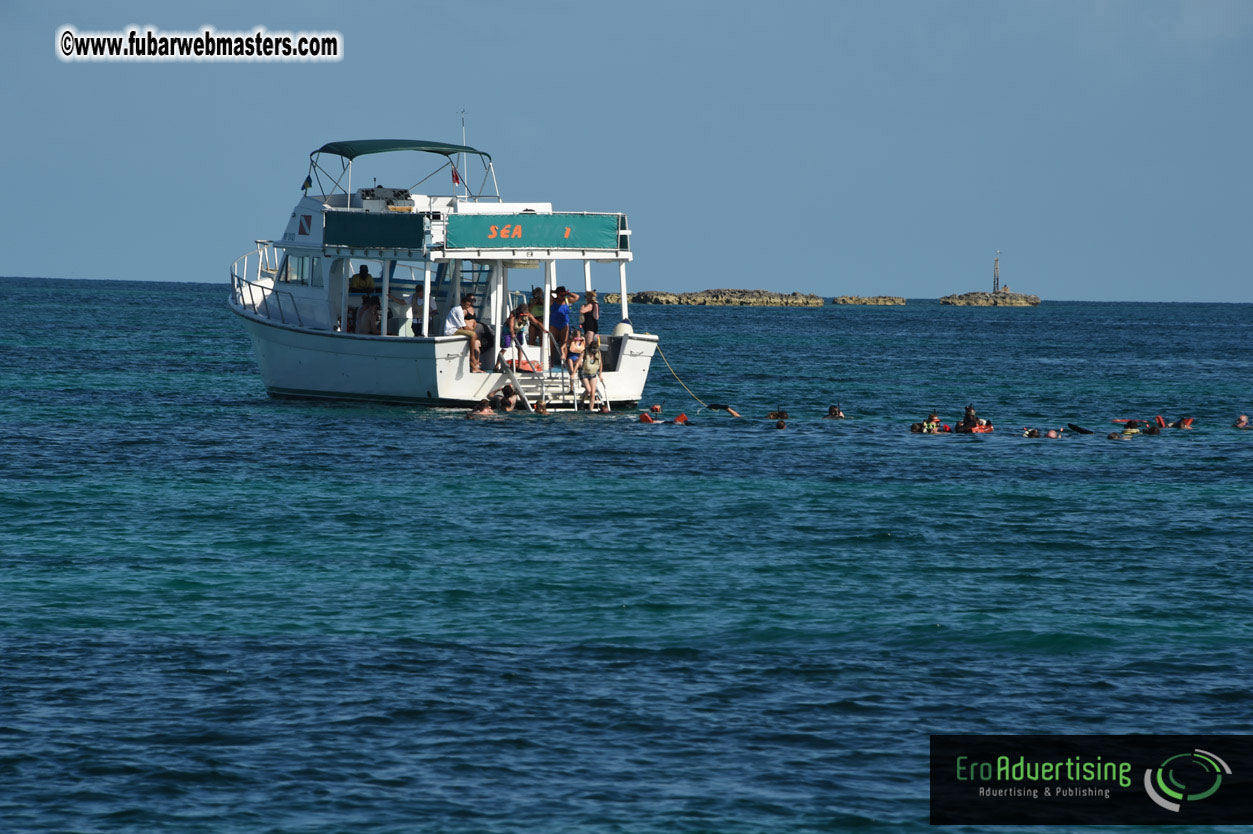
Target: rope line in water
<point x="676" y="376"/>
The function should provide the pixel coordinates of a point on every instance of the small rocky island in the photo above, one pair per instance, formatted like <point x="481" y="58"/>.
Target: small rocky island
<point x="721" y="298"/>
<point x="873" y="300"/>
<point x="1002" y="298"/>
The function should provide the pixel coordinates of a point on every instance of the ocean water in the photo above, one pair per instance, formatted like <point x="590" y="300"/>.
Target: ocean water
<point x="225" y="613"/>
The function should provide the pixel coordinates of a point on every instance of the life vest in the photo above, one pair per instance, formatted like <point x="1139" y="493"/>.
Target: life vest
<point x="644" y="418"/>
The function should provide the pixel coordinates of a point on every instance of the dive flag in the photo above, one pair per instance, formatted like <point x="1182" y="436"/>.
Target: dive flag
<point x="456" y="178"/>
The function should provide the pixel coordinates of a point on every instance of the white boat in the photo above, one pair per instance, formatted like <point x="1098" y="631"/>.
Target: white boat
<point x="298" y="297"/>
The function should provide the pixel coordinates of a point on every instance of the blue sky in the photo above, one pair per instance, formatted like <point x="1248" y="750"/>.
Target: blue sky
<point x="829" y="147"/>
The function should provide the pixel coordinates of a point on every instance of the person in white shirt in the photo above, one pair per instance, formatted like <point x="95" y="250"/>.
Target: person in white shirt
<point x="456" y="325"/>
<point x="414" y="305"/>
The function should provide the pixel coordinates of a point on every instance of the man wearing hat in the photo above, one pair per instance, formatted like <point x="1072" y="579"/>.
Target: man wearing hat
<point x="559" y="323"/>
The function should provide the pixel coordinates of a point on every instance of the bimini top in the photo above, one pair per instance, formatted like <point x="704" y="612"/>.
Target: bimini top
<point x="360" y="147"/>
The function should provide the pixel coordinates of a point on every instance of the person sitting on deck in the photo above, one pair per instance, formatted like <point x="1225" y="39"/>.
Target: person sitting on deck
<point x="363" y="281"/>
<point x="368" y="316"/>
<point x="456" y="325"/>
<point x="516" y="327"/>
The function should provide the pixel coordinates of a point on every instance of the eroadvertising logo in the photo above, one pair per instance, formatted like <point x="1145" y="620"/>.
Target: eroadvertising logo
<point x="1053" y="780"/>
<point x="1192" y="776"/>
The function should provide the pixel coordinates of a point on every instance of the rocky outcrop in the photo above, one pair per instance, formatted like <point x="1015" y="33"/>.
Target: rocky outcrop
<point x="721" y="298"/>
<point x="879" y="300"/>
<point x="992" y="299"/>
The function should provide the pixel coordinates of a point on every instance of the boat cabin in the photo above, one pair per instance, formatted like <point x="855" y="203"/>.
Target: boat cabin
<point x="344" y="250"/>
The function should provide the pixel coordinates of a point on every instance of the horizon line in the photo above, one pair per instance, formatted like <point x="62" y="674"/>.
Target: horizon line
<point x="907" y="298"/>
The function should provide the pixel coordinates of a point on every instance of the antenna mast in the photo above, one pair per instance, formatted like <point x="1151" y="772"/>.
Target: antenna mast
<point x="464" y="185"/>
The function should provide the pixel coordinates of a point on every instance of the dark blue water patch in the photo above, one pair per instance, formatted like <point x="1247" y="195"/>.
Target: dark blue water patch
<point x="220" y="612"/>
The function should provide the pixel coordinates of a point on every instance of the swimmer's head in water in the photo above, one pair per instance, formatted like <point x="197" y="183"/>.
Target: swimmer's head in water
<point x="1052" y="433"/>
<point x="1113" y="436"/>
<point x="780" y="425"/>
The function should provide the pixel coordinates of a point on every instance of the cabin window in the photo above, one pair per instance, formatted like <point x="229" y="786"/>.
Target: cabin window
<point x="295" y="271"/>
<point x="315" y="272"/>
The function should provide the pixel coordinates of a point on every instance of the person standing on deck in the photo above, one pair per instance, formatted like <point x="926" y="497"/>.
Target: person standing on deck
<point x="414" y="305"/>
<point x="574" y="356"/>
<point x="591" y="315"/>
<point x="537" y="317"/>
<point x="559" y="323"/>
<point x="590" y="372"/>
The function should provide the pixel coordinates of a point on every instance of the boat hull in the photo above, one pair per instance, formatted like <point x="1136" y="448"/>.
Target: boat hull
<point x="317" y="364"/>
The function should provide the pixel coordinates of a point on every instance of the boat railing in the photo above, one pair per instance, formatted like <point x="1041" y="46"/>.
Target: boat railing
<point x="268" y="257"/>
<point x="255" y="296"/>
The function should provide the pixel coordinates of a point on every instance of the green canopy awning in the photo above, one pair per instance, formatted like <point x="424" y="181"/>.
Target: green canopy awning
<point x="360" y="147"/>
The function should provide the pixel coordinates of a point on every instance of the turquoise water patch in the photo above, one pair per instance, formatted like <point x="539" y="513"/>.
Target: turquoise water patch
<point x="221" y="612"/>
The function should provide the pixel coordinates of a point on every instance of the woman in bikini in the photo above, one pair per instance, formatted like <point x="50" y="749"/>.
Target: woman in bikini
<point x="574" y="356"/>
